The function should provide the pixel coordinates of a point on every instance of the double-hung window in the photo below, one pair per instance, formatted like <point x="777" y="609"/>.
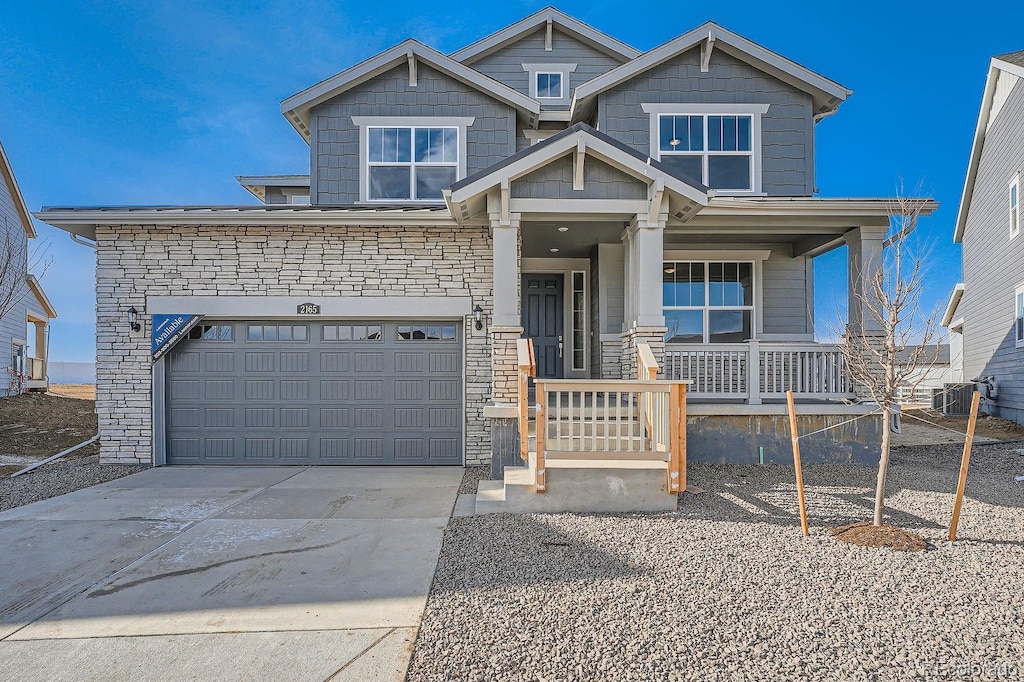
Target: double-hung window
<point x="1015" y="206"/>
<point x="717" y="151"/>
<point x="410" y="163"/>
<point x="1018" y="321"/>
<point x="708" y="301"/>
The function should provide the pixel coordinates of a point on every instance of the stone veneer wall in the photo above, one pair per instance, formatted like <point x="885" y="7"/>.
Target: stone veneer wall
<point x="134" y="262"/>
<point x="611" y="359"/>
<point x="653" y="337"/>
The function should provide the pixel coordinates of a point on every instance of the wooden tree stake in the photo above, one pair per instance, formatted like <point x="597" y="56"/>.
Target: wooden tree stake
<point x="796" y="463"/>
<point x="965" y="462"/>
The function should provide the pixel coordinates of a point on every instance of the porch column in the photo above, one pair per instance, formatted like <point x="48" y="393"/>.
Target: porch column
<point x="645" y="320"/>
<point x="865" y="256"/>
<point x="505" y="324"/>
<point x="865" y="266"/>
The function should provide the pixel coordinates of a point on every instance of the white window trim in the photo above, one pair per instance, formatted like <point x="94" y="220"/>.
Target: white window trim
<point x="755" y="256"/>
<point x="1018" y="293"/>
<point x="1014" y="188"/>
<point x="755" y="111"/>
<point x="364" y="123"/>
<point x="563" y="69"/>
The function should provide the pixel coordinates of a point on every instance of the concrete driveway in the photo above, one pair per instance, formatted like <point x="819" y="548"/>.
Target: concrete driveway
<point x="224" y="574"/>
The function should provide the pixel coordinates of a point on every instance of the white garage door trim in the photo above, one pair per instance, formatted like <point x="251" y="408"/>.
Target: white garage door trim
<point x="235" y="307"/>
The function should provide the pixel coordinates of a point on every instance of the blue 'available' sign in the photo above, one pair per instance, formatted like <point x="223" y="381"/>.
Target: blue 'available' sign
<point x="169" y="329"/>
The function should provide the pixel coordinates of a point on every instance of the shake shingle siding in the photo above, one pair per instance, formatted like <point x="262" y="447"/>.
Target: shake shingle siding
<point x="335" y="138"/>
<point x="994" y="263"/>
<point x="600" y="181"/>
<point x="787" y="128"/>
<point x="506" y="65"/>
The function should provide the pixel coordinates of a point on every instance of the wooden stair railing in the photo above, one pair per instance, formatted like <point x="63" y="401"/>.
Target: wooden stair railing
<point x="526" y="364"/>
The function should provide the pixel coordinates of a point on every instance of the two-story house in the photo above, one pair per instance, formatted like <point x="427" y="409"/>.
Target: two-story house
<point x="547" y="181"/>
<point x="22" y="301"/>
<point x="985" y="314"/>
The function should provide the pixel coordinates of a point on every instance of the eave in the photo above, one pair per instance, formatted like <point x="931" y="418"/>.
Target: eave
<point x="827" y="94"/>
<point x="954" y="301"/>
<point x="83" y="221"/>
<point x="16" y="196"/>
<point x="995" y="66"/>
<point x="297" y="107"/>
<point x="37" y="290"/>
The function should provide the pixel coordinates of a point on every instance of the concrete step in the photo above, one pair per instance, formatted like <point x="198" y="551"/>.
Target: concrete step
<point x="580" y="485"/>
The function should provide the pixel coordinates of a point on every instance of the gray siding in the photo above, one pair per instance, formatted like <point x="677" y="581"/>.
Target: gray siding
<point x="275" y="196"/>
<point x="335" y="139"/>
<point x="14" y="324"/>
<point x="787" y="128"/>
<point x="506" y="65"/>
<point x="613" y="274"/>
<point x="600" y="181"/>
<point x="994" y="264"/>
<point x="788" y="308"/>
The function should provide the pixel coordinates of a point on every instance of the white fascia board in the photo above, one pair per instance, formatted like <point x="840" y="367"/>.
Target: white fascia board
<point x="808" y="206"/>
<point x="595" y="147"/>
<point x="567" y="24"/>
<point x="974" y="160"/>
<point x="744" y="49"/>
<point x="296" y="108"/>
<point x="274" y="180"/>
<point x="84" y="222"/>
<point x="951" y="306"/>
<point x="16" y="196"/>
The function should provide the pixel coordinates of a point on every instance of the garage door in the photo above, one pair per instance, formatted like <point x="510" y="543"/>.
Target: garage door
<point x="331" y="392"/>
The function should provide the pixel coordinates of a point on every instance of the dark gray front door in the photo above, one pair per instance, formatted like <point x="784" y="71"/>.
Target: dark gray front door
<point x="542" y="322"/>
<point x="324" y="392"/>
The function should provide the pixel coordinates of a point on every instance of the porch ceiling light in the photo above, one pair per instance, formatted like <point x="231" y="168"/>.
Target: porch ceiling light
<point x="670" y="271"/>
<point x="553" y="250"/>
<point x="133" y="319"/>
<point x="563" y="229"/>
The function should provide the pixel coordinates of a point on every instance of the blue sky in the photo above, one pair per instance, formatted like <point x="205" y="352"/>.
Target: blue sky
<point x="108" y="103"/>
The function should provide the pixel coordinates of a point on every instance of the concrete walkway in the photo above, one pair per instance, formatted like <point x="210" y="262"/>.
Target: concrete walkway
<point x="211" y="573"/>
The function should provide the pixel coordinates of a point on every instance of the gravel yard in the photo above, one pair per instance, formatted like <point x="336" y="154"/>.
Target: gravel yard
<point x="727" y="588"/>
<point x="36" y="425"/>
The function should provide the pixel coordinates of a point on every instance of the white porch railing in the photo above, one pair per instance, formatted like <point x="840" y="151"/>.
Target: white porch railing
<point x="35" y="369"/>
<point x="755" y="371"/>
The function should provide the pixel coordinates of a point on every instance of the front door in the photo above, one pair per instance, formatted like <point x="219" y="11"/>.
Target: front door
<point x="542" y="322"/>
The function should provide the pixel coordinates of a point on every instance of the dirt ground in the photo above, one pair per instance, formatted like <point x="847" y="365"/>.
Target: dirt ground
<point x="37" y="425"/>
<point x="987" y="427"/>
<point x="80" y="391"/>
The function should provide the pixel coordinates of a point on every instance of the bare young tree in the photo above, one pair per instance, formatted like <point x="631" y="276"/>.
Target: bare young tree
<point x="16" y="261"/>
<point x="886" y="349"/>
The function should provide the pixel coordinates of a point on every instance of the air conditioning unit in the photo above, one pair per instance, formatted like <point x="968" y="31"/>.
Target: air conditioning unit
<point x="954" y="400"/>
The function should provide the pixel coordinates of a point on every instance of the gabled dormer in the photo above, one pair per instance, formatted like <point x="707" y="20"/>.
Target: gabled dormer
<point x="546" y="56"/>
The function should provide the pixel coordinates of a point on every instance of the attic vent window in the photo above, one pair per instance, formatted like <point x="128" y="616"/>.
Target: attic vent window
<point x="549" y="85"/>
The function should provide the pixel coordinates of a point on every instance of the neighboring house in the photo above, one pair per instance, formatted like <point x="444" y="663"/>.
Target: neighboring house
<point x="22" y="301"/>
<point x="933" y="371"/>
<point x="546" y="181"/>
<point x="985" y="314"/>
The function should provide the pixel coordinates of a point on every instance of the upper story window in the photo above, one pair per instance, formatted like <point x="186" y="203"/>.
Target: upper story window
<point x="1015" y="206"/>
<point x="410" y="163"/>
<point x="549" y="85"/>
<point x="715" y="145"/>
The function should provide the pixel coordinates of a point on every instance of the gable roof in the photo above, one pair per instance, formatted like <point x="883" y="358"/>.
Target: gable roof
<point x="574" y="27"/>
<point x="19" y="201"/>
<point x="1011" y="63"/>
<point x="37" y="290"/>
<point x="467" y="197"/>
<point x="296" y="108"/>
<point x="827" y="94"/>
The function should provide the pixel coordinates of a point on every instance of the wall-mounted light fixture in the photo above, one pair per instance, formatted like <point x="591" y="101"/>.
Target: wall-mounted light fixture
<point x="478" y="315"/>
<point x="133" y="319"/>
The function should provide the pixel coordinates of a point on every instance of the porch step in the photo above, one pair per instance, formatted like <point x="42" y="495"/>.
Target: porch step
<point x="580" y="485"/>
